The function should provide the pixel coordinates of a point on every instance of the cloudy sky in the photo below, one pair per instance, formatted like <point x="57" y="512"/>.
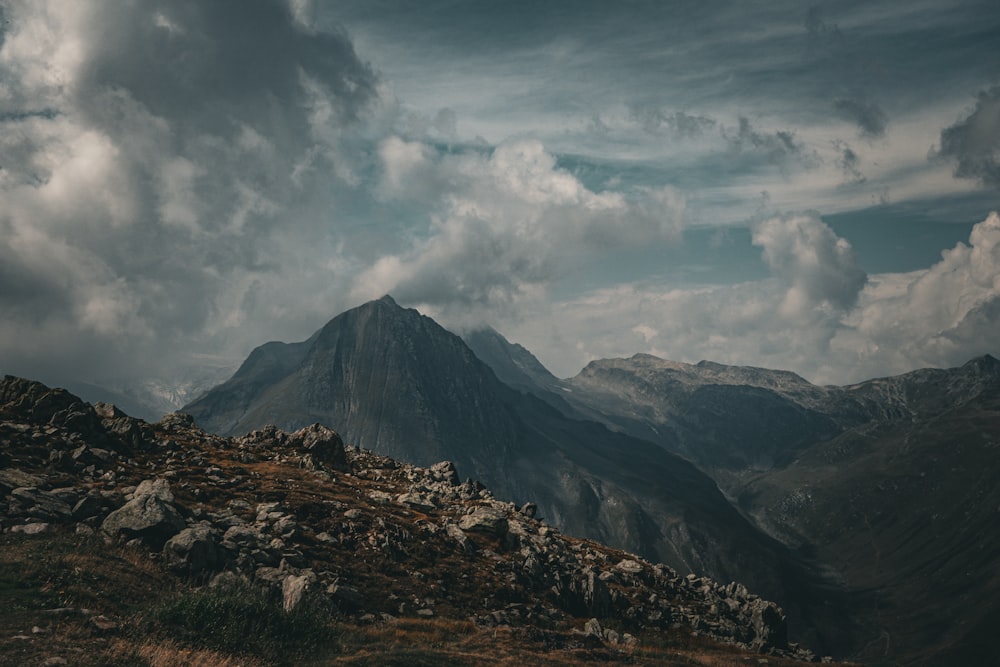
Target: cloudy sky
<point x="807" y="186"/>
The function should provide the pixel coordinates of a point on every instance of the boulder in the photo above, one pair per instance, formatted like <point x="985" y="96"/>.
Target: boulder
<point x="191" y="551"/>
<point x="769" y="626"/>
<point x="147" y="516"/>
<point x="160" y="488"/>
<point x="416" y="500"/>
<point x="322" y="444"/>
<point x="178" y="420"/>
<point x="463" y="541"/>
<point x="485" y="520"/>
<point x="293" y="590"/>
<point x="445" y="472"/>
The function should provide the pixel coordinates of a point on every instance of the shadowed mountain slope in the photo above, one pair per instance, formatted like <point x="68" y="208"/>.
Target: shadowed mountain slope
<point x="889" y="482"/>
<point x="393" y="381"/>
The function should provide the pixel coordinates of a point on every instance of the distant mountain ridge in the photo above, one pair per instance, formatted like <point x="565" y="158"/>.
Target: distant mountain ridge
<point x="890" y="482"/>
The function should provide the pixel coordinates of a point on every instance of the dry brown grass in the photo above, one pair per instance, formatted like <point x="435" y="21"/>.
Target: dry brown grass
<point x="171" y="654"/>
<point x="442" y="642"/>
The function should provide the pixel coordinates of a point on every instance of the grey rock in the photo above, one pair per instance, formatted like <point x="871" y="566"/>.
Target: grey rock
<point x="293" y="590"/>
<point x="191" y="551"/>
<point x="463" y="540"/>
<point x="160" y="488"/>
<point x="416" y="500"/>
<point x="485" y="520"/>
<point x="593" y="628"/>
<point x="445" y="472"/>
<point x="239" y="537"/>
<point x="32" y="528"/>
<point x="148" y="518"/>
<point x="32" y="502"/>
<point x="322" y="444"/>
<point x="769" y="625"/>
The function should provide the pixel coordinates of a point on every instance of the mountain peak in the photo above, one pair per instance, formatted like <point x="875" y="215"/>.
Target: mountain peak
<point x="986" y="364"/>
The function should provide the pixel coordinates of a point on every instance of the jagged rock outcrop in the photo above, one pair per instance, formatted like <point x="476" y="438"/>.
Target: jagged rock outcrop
<point x="320" y="447"/>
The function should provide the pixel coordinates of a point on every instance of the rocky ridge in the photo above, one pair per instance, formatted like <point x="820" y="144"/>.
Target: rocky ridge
<point x="373" y="538"/>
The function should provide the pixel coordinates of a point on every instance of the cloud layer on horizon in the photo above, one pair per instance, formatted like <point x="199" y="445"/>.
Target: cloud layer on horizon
<point x="818" y="314"/>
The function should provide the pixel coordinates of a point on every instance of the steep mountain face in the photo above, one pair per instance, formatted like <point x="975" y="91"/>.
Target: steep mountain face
<point x="697" y="411"/>
<point x="519" y="369"/>
<point x="889" y="483"/>
<point x="393" y="381"/>
<point x="390" y="379"/>
<point x="513" y="364"/>
<point x="906" y="506"/>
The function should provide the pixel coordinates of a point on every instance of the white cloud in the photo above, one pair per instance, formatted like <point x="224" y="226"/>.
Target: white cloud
<point x="838" y="327"/>
<point x="817" y="268"/>
<point x="503" y="225"/>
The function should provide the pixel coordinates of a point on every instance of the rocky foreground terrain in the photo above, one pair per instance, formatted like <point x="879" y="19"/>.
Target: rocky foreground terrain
<point x="129" y="543"/>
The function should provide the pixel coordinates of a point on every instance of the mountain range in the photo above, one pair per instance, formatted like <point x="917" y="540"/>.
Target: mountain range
<point x="865" y="510"/>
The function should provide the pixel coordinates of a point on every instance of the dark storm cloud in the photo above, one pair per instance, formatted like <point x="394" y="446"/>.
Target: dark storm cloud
<point x="212" y="65"/>
<point x="655" y="120"/>
<point x="869" y="118"/>
<point x="974" y="142"/>
<point x="850" y="164"/>
<point x="780" y="148"/>
<point x="166" y="155"/>
<point x="14" y="116"/>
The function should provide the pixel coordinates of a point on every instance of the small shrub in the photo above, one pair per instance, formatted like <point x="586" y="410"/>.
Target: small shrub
<point x="243" y="619"/>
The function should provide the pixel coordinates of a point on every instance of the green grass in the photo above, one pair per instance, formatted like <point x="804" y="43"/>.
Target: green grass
<point x="244" y="619"/>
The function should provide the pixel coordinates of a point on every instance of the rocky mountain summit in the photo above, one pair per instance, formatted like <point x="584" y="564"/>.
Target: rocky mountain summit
<point x="374" y="542"/>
